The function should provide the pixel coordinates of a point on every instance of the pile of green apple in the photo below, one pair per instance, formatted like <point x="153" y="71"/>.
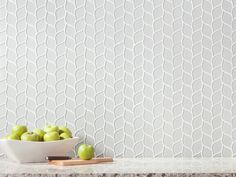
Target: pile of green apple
<point x="49" y="133"/>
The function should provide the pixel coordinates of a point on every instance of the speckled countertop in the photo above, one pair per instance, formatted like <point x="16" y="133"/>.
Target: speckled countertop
<point x="159" y="167"/>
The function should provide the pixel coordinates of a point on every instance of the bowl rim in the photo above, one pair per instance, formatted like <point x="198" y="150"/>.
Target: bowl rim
<point x="42" y="142"/>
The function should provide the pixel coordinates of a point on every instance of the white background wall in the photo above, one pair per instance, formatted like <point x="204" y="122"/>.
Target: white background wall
<point x="135" y="78"/>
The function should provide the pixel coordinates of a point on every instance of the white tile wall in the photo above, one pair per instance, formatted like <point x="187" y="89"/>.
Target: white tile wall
<point x="135" y="78"/>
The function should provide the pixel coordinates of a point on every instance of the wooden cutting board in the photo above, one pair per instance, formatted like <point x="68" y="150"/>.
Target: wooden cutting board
<point x="80" y="162"/>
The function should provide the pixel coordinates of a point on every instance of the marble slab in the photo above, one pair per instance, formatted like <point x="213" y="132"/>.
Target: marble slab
<point x="159" y="167"/>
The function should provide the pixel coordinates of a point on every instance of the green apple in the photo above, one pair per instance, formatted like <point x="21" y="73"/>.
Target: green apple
<point x="29" y="136"/>
<point x="40" y="133"/>
<point x="64" y="130"/>
<point x="51" y="128"/>
<point x="12" y="137"/>
<point x="19" y="130"/>
<point x="51" y="136"/>
<point x="65" y="136"/>
<point x="85" y="152"/>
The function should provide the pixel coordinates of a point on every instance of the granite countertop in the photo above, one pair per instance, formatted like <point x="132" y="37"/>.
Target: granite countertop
<point x="159" y="167"/>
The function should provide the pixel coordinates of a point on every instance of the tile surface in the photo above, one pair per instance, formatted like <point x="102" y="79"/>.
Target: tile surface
<point x="136" y="78"/>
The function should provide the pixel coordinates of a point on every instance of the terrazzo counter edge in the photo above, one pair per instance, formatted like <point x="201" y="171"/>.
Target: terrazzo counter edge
<point x="127" y="167"/>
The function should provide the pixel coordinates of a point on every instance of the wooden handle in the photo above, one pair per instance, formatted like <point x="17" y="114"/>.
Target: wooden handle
<point x="58" y="158"/>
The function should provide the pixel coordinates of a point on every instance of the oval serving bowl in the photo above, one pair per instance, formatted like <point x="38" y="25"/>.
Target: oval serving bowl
<point x="33" y="151"/>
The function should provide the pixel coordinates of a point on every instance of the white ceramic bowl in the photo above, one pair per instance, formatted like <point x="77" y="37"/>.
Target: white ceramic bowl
<point x="30" y="151"/>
